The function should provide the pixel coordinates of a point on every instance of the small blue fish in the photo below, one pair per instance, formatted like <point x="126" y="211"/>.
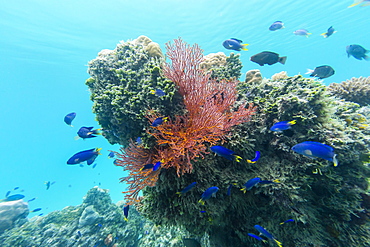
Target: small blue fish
<point x="87" y="132"/>
<point x="146" y="167"/>
<point x="302" y="32"/>
<point x="276" y="26"/>
<point x="158" y="92"/>
<point x="48" y="184"/>
<point x="256" y="237"/>
<point x="157" y="166"/>
<point x="16" y="188"/>
<point x="30" y="200"/>
<point x="125" y="211"/>
<point x="268" y="235"/>
<point x="250" y="184"/>
<point x="7" y="193"/>
<point x="357" y="52"/>
<point x="187" y="188"/>
<point x="211" y="191"/>
<point x="79" y="234"/>
<point x="94" y="165"/>
<point x="139" y="141"/>
<point x="111" y="155"/>
<point x="329" y="32"/>
<point x="256" y="157"/>
<point x="41" y="214"/>
<point x="283" y="125"/>
<point x="316" y="150"/>
<point x="275" y="181"/>
<point x="159" y="121"/>
<point x="226" y="153"/>
<point x="235" y="44"/>
<point x="203" y="211"/>
<point x="115" y="162"/>
<point x="290" y="220"/>
<point x="35" y="210"/>
<point x="88" y="155"/>
<point x="229" y="190"/>
<point x="69" y="118"/>
<point x="12" y="198"/>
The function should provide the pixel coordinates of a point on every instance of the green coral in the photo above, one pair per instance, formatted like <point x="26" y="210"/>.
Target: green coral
<point x="121" y="83"/>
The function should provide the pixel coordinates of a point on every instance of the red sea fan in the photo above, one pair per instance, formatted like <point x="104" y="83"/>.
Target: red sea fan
<point x="211" y="113"/>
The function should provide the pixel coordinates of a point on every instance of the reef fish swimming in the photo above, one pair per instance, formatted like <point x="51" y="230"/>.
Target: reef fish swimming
<point x="267" y="57"/>
<point x="12" y="198"/>
<point x="87" y="155"/>
<point x="329" y="32"/>
<point x="302" y="32"/>
<point x="235" y="44"/>
<point x="69" y="118"/>
<point x="159" y="121"/>
<point x="187" y="188"/>
<point x="226" y="153"/>
<point x="316" y="150"/>
<point x="88" y="132"/>
<point x="357" y="52"/>
<point x="321" y="72"/>
<point x="250" y="184"/>
<point x="276" y="26"/>
<point x="267" y="234"/>
<point x="211" y="191"/>
<point x="283" y="125"/>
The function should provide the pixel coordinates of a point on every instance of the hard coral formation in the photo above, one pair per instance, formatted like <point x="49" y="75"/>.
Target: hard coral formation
<point x="11" y="213"/>
<point x="324" y="200"/>
<point x="222" y="67"/>
<point x="356" y="90"/>
<point x="121" y="85"/>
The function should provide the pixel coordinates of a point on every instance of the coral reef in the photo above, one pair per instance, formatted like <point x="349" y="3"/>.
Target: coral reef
<point x="329" y="204"/>
<point x="96" y="222"/>
<point x="12" y="213"/>
<point x="356" y="90"/>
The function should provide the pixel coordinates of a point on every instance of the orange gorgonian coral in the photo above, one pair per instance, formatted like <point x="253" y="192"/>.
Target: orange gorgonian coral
<point x="211" y="113"/>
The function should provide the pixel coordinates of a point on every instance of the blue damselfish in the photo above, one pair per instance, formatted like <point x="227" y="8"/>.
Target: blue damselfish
<point x="226" y="153"/>
<point x="211" y="191"/>
<point x="187" y="188"/>
<point x="250" y="184"/>
<point x="283" y="125"/>
<point x="235" y="44"/>
<point x="87" y="155"/>
<point x="316" y="150"/>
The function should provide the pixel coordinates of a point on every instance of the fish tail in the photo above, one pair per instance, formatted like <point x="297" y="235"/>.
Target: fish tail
<point x="282" y="60"/>
<point x="367" y="58"/>
<point x="98" y="150"/>
<point x="355" y="3"/>
<point x="276" y="181"/>
<point x="238" y="158"/>
<point x="179" y="193"/>
<point x="325" y="35"/>
<point x="292" y="122"/>
<point x="244" y="47"/>
<point x="126" y="219"/>
<point x="335" y="161"/>
<point x="251" y="162"/>
<point x="244" y="190"/>
<point x="201" y="201"/>
<point x="76" y="138"/>
<point x="309" y="71"/>
<point x="278" y="243"/>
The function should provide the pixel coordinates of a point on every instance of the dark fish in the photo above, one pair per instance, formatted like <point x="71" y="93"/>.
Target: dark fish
<point x="7" y="193"/>
<point x="290" y="220"/>
<point x="256" y="237"/>
<point x="267" y="57"/>
<point x="190" y="242"/>
<point x="30" y="200"/>
<point x="16" y="188"/>
<point x="357" y="52"/>
<point x="187" y="188"/>
<point x="321" y="72"/>
<point x="94" y="165"/>
<point x="275" y="181"/>
<point x="35" y="210"/>
<point x="125" y="211"/>
<point x="157" y="166"/>
<point x="48" y="184"/>
<point x="69" y="118"/>
<point x="235" y="44"/>
<point x="87" y="155"/>
<point x="111" y="155"/>
<point x="329" y="32"/>
<point x="276" y="26"/>
<point x="146" y="167"/>
<point x="88" y="132"/>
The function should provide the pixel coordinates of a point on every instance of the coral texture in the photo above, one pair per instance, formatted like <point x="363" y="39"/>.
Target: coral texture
<point x="355" y="90"/>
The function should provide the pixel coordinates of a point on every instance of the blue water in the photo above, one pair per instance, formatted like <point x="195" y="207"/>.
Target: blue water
<point x="46" y="45"/>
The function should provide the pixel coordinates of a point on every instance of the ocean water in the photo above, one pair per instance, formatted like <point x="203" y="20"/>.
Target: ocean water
<point x="46" y="45"/>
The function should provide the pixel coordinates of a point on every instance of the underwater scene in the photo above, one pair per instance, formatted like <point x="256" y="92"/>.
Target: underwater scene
<point x="185" y="123"/>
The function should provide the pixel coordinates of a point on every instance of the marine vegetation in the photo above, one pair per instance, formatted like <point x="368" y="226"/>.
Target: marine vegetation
<point x="329" y="205"/>
<point x="355" y="89"/>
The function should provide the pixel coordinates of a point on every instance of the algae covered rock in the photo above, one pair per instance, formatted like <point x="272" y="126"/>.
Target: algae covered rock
<point x="12" y="212"/>
<point x="356" y="90"/>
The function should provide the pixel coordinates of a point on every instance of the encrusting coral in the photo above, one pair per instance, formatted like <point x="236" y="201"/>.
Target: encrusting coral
<point x="356" y="90"/>
<point x="327" y="203"/>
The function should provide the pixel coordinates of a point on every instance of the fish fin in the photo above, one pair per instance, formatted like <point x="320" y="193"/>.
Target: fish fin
<point x="76" y="138"/>
<point x="126" y="219"/>
<point x="292" y="122"/>
<point x="244" y="47"/>
<point x="152" y="91"/>
<point x="309" y="71"/>
<point x="179" y="193"/>
<point x="308" y="35"/>
<point x="98" y="150"/>
<point x="251" y="162"/>
<point x="325" y="35"/>
<point x="355" y="3"/>
<point x="276" y="181"/>
<point x="335" y="161"/>
<point x="282" y="60"/>
<point x="367" y="58"/>
<point x="201" y="201"/>
<point x="244" y="190"/>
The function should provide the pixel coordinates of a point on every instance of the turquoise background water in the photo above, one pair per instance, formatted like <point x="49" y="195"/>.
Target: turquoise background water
<point x="46" y="45"/>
